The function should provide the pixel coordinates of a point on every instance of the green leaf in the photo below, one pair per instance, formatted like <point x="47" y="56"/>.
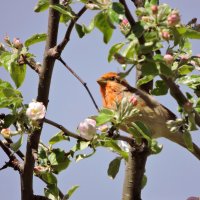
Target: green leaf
<point x="144" y="181"/>
<point x="63" y="10"/>
<point x="42" y="5"/>
<point x="165" y="70"/>
<point x="15" y="146"/>
<point x="35" y="39"/>
<point x="10" y="63"/>
<point x="102" y="23"/>
<point x="49" y="178"/>
<point x="144" y="80"/>
<point x="70" y="192"/>
<point x="188" y="32"/>
<point x="52" y="192"/>
<point x="149" y="68"/>
<point x="192" y="81"/>
<point x="160" y="89"/>
<point x="185" y="69"/>
<point x="114" y="49"/>
<point x="113" y="168"/>
<point x="58" y="138"/>
<point x="141" y="129"/>
<point x="118" y="8"/>
<point x="79" y="30"/>
<point x="9" y="120"/>
<point x="9" y="97"/>
<point x="105" y="115"/>
<point x="163" y="12"/>
<point x="90" y="27"/>
<point x="113" y="146"/>
<point x="58" y="160"/>
<point x="83" y="156"/>
<point x="188" y="140"/>
<point x="154" y="2"/>
<point x="155" y="147"/>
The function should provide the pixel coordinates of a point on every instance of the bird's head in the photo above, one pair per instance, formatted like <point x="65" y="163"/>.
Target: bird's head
<point x="111" y="87"/>
<point x="107" y="78"/>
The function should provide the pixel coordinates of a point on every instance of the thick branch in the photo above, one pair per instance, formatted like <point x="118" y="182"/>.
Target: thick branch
<point x="43" y="94"/>
<point x="135" y="169"/>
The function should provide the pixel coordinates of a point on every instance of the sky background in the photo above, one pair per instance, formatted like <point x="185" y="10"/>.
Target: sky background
<point x="173" y="174"/>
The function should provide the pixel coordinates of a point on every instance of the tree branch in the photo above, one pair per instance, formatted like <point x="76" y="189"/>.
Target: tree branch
<point x="62" y="128"/>
<point x="81" y="81"/>
<point x="78" y="137"/>
<point x="66" y="38"/>
<point x="43" y="94"/>
<point x="128" y="13"/>
<point x="13" y="162"/>
<point x="179" y="96"/>
<point x="135" y="169"/>
<point x="32" y="64"/>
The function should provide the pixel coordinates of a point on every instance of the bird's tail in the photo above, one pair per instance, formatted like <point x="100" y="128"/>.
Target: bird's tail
<point x="178" y="138"/>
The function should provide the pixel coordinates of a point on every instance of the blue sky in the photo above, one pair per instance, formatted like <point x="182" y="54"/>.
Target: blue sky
<point x="173" y="174"/>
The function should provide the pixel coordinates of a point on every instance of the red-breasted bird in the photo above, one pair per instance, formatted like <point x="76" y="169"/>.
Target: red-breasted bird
<point x="153" y="114"/>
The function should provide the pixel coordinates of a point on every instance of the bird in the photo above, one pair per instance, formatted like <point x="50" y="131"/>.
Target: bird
<point x="114" y="88"/>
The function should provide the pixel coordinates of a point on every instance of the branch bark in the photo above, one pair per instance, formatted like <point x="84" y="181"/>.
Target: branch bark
<point x="43" y="94"/>
<point x="135" y="169"/>
<point x="135" y="166"/>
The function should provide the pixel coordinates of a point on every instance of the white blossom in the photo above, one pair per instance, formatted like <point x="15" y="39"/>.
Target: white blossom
<point x="87" y="129"/>
<point x="36" y="110"/>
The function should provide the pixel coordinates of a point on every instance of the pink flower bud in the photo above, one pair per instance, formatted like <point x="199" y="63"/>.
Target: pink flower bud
<point x="154" y="9"/>
<point x="169" y="59"/>
<point x="133" y="100"/>
<point x="165" y="35"/>
<point x="125" y="21"/>
<point x="124" y="26"/>
<point x="87" y="129"/>
<point x="36" y="110"/>
<point x="174" y="18"/>
<point x="6" y="133"/>
<point x="17" y="44"/>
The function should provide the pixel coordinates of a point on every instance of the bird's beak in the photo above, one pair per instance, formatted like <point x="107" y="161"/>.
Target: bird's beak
<point x="101" y="81"/>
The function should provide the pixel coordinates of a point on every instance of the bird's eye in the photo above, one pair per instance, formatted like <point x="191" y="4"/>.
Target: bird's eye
<point x="112" y="78"/>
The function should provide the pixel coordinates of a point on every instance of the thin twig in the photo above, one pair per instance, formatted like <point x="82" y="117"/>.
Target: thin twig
<point x="62" y="128"/>
<point x="31" y="64"/>
<point x="81" y="81"/>
<point x="75" y="136"/>
<point x="66" y="38"/>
